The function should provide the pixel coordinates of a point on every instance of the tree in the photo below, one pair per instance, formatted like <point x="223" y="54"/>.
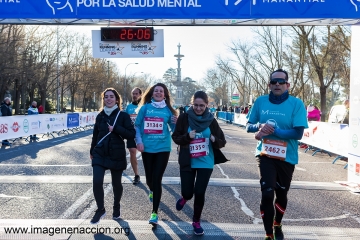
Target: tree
<point x="324" y="53"/>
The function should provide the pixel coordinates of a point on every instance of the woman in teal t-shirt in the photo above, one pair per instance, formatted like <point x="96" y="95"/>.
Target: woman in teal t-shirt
<point x="153" y="139"/>
<point x="200" y="138"/>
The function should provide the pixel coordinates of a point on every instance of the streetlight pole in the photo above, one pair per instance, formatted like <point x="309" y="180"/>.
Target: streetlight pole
<point x="57" y="71"/>
<point x="108" y="71"/>
<point x="125" y="82"/>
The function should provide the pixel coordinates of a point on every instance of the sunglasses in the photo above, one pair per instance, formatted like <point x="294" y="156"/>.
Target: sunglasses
<point x="281" y="81"/>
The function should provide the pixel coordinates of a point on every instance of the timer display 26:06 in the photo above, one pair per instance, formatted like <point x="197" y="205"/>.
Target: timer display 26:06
<point x="127" y="34"/>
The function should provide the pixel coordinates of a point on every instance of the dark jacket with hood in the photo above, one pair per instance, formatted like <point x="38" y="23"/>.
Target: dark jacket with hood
<point x="182" y="138"/>
<point x="5" y="109"/>
<point x="110" y="153"/>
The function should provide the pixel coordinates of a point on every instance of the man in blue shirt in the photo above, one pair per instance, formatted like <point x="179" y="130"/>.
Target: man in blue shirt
<point x="278" y="120"/>
<point x="131" y="145"/>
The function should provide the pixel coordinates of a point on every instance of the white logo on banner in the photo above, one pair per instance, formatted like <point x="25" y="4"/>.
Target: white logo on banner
<point x="111" y="48"/>
<point x="59" y="5"/>
<point x="236" y="3"/>
<point x="353" y="3"/>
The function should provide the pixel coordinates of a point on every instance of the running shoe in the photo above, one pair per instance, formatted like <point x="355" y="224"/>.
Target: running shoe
<point x="151" y="196"/>
<point x="180" y="204"/>
<point x="136" y="179"/>
<point x="99" y="214"/>
<point x="278" y="233"/>
<point x="116" y="212"/>
<point x="153" y="219"/>
<point x="198" y="230"/>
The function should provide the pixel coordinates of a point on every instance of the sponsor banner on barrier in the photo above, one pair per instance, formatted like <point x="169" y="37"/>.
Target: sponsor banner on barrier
<point x="354" y="170"/>
<point x="87" y="118"/>
<point x="54" y="122"/>
<point x="240" y="119"/>
<point x="23" y="126"/>
<point x="73" y="120"/>
<point x="354" y="116"/>
<point x="331" y="137"/>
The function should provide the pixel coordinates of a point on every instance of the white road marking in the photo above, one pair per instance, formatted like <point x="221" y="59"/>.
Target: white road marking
<point x="318" y="219"/>
<point x="76" y="204"/>
<point x="300" y="169"/>
<point x="93" y="206"/>
<point x="356" y="218"/>
<point x="80" y="201"/>
<point x="8" y="196"/>
<point x="249" y="213"/>
<point x="244" y="208"/>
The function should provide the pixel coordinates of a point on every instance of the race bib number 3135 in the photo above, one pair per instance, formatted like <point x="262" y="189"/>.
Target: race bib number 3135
<point x="274" y="148"/>
<point x="153" y="125"/>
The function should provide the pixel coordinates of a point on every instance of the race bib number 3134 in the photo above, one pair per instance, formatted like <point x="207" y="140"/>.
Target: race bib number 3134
<point x="274" y="148"/>
<point x="153" y="125"/>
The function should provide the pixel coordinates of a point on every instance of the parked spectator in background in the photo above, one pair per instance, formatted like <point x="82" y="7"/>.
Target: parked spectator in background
<point x="246" y="110"/>
<point x="6" y="111"/>
<point x="63" y="110"/>
<point x="339" y="113"/>
<point x="41" y="109"/>
<point x="213" y="110"/>
<point x="33" y="110"/>
<point x="313" y="113"/>
<point x="5" y="107"/>
<point x="346" y="116"/>
<point x="224" y="108"/>
<point x="218" y="109"/>
<point x="230" y="109"/>
<point x="237" y="109"/>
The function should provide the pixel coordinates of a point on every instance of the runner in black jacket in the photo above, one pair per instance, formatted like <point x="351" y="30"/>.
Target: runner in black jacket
<point x="108" y="150"/>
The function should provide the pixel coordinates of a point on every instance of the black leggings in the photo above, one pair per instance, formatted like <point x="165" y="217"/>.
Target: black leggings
<point x="275" y="181"/>
<point x="189" y="188"/>
<point x="98" y="189"/>
<point x="155" y="165"/>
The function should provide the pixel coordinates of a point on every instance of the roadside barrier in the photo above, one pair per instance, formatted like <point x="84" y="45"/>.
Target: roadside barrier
<point x="18" y="127"/>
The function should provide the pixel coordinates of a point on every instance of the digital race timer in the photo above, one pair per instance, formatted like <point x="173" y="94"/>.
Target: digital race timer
<point x="127" y="34"/>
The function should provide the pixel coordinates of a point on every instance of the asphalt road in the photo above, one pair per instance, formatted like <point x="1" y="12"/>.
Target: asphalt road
<point x="48" y="183"/>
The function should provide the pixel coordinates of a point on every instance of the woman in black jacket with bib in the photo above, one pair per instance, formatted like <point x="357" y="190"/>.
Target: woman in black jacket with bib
<point x="108" y="150"/>
<point x="200" y="138"/>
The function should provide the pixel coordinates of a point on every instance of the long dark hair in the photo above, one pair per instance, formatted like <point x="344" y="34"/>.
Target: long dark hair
<point x="117" y="96"/>
<point x="148" y="95"/>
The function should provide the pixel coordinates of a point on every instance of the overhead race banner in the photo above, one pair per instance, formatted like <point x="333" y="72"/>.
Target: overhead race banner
<point x="354" y="117"/>
<point x="136" y="49"/>
<point x="179" y="9"/>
